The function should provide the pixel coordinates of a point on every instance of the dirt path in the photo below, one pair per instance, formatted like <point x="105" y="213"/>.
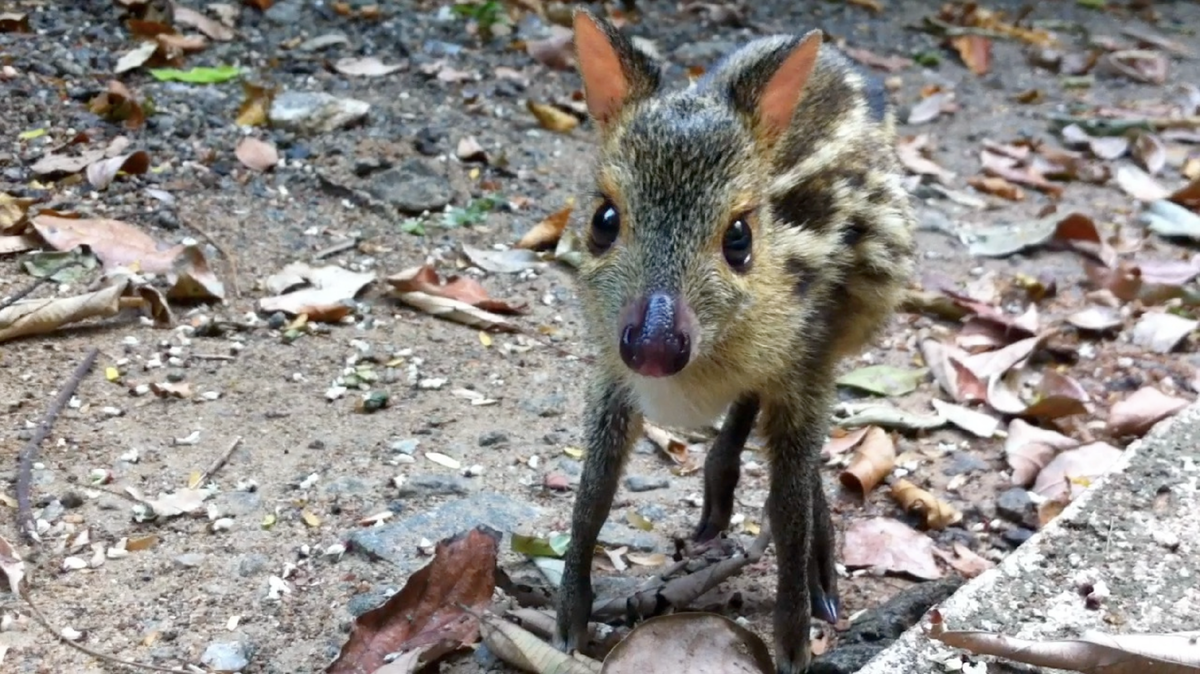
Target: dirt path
<point x="311" y="468"/>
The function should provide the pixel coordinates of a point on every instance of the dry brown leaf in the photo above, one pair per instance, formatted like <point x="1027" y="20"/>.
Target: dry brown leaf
<point x="13" y="213"/>
<point x="174" y="42"/>
<point x="42" y="316"/>
<point x="52" y="163"/>
<point x="1046" y="394"/>
<point x="254" y="106"/>
<point x="454" y="310"/>
<point x="874" y="460"/>
<point x="1139" y="65"/>
<point x="929" y="108"/>
<point x="1012" y="170"/>
<point x="469" y="149"/>
<point x="692" y="642"/>
<point x="556" y="51"/>
<point x="1029" y="449"/>
<point x="366" y="66"/>
<point x="190" y="18"/>
<point x="1074" y="470"/>
<point x="102" y="173"/>
<point x="912" y="153"/>
<point x="885" y="544"/>
<point x="975" y="51"/>
<point x="551" y="118"/>
<point x="965" y="561"/>
<point x="1138" y="413"/>
<point x="950" y="371"/>
<point x="118" y="104"/>
<point x="13" y="568"/>
<point x="136" y="57"/>
<point x="428" y="613"/>
<point x="115" y="243"/>
<point x="891" y="64"/>
<point x="1162" y="332"/>
<point x="327" y="294"/>
<point x="1150" y="152"/>
<point x="463" y="289"/>
<point x="935" y="513"/>
<point x="842" y="441"/>
<point x="1096" y="318"/>
<point x="523" y="649"/>
<point x="546" y="233"/>
<point x="169" y="389"/>
<point x="255" y="154"/>
<point x="997" y="186"/>
<point x="1188" y="196"/>
<point x="976" y="423"/>
<point x="1109" y="148"/>
<point x="675" y="448"/>
<point x="1095" y="653"/>
<point x="14" y="22"/>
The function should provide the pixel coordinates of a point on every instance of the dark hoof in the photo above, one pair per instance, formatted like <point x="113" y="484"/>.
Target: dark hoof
<point x="824" y="607"/>
<point x="707" y="531"/>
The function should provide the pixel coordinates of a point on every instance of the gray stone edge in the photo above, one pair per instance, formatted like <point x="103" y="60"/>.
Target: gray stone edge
<point x="914" y="651"/>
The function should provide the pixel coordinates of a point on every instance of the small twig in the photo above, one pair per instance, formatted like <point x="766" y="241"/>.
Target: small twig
<point x="4" y="304"/>
<point x="212" y="356"/>
<point x="335" y="249"/>
<point x="220" y="460"/>
<point x="29" y="452"/>
<point x="233" y="273"/>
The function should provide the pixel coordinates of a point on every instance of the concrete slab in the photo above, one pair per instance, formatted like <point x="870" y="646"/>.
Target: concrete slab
<point x="1136" y="531"/>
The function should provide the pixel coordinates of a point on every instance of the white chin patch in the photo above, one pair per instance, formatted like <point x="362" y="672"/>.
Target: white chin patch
<point x="669" y="401"/>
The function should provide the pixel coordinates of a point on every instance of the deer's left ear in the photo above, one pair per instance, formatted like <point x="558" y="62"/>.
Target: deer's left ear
<point x="615" y="73"/>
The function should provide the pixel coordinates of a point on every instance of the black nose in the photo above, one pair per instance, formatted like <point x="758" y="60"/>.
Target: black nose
<point x="653" y="343"/>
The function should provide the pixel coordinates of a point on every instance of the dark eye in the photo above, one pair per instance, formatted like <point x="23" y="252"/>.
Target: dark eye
<point x="737" y="244"/>
<point x="606" y="225"/>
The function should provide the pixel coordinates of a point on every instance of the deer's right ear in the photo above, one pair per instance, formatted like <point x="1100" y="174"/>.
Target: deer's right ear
<point x="614" y="71"/>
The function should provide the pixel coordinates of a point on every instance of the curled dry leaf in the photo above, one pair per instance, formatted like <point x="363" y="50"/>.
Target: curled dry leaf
<point x="1029" y="449"/>
<point x="365" y="66"/>
<point x="1095" y="653"/>
<point x="118" y="104"/>
<point x="697" y="643"/>
<point x="997" y="186"/>
<point x="102" y="173"/>
<point x="190" y="18"/>
<point x="1139" y="65"/>
<point x="52" y="163"/>
<point x="456" y="311"/>
<point x="1073" y="471"/>
<point x="950" y="371"/>
<point x="965" y="561"/>
<point x="935" y="513"/>
<point x="1041" y="395"/>
<point x="469" y="149"/>
<point x="975" y="51"/>
<point x="990" y="364"/>
<point x="891" y="546"/>
<point x="1109" y="147"/>
<point x="976" y="423"/>
<point x="115" y="243"/>
<point x="255" y="154"/>
<point x="913" y="154"/>
<point x="136" y="57"/>
<point x="672" y="446"/>
<point x="17" y="244"/>
<point x="1188" y="196"/>
<point x="463" y="289"/>
<point x="1075" y="231"/>
<point x="1015" y="171"/>
<point x="41" y="316"/>
<point x="1096" y="318"/>
<point x="512" y="261"/>
<point x="521" y="648"/>
<point x="324" y="293"/>
<point x="842" y="441"/>
<point x="551" y="118"/>
<point x="546" y="233"/>
<point x="1150" y="152"/>
<point x="428" y="613"/>
<point x="874" y="460"/>
<point x="1138" y="413"/>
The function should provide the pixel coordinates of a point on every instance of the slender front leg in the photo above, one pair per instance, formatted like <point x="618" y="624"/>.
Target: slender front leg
<point x="823" y="583"/>
<point x="610" y="426"/>
<point x="795" y="430"/>
<point x="723" y="467"/>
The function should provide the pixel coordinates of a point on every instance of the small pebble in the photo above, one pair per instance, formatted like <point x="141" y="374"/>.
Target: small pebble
<point x="646" y="483"/>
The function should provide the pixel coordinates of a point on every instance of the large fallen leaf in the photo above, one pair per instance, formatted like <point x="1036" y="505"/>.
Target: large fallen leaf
<point x="1150" y="152"/>
<point x="551" y="118"/>
<point x="136" y="57"/>
<point x="948" y="365"/>
<point x="1029" y="449"/>
<point x="1074" y="231"/>
<point x="115" y="243"/>
<point x="41" y="316"/>
<point x="976" y="423"/>
<point x="102" y="173"/>
<point x="975" y="51"/>
<point x="884" y="380"/>
<point x="891" y="546"/>
<point x="874" y="460"/>
<point x="53" y="163"/>
<point x="326" y="293"/>
<point x="1044" y="394"/>
<point x="1139" y="184"/>
<point x="546" y="233"/>
<point x="425" y="279"/>
<point x="17" y="244"/>
<point x="935" y="513"/>
<point x="965" y="561"/>
<point x="1138" y="413"/>
<point x="1094" y="653"/>
<point x="1162" y="332"/>
<point x="1073" y="471"/>
<point x="842" y="441"/>
<point x="1167" y="218"/>
<point x="1140" y="65"/>
<point x="886" y="416"/>
<point x="995" y="363"/>
<point x="216" y="30"/>
<point x="692" y="642"/>
<point x="255" y="154"/>
<point x="1188" y="196"/>
<point x="1096" y="318"/>
<point x="511" y="261"/>
<point x="427" y="614"/>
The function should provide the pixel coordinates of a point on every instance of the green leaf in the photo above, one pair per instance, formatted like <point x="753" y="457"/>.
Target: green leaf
<point x="884" y="380"/>
<point x="413" y="226"/>
<point x="540" y="547"/>
<point x="31" y="134"/>
<point x="198" y="75"/>
<point x="44" y="264"/>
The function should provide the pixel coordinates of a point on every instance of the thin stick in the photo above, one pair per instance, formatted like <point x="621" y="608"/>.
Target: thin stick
<point x="233" y="273"/>
<point x="36" y="284"/>
<point x="29" y="452"/>
<point x="220" y="460"/>
<point x="212" y="356"/>
<point x="335" y="249"/>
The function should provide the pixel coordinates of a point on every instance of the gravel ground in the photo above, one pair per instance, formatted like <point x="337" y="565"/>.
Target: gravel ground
<point x="310" y="465"/>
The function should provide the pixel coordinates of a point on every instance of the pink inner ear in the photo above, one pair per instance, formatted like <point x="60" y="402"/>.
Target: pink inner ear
<point x="786" y="87"/>
<point x="605" y="85"/>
